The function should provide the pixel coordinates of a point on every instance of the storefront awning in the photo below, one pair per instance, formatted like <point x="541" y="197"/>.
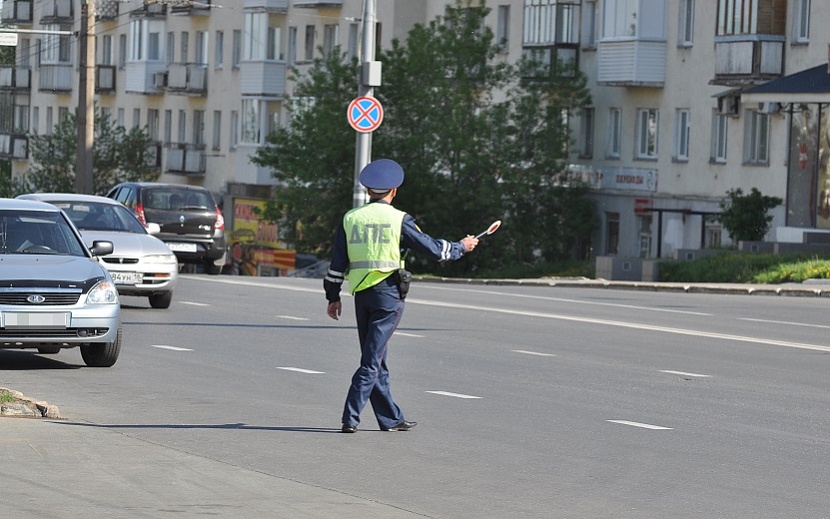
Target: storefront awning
<point x="807" y="86"/>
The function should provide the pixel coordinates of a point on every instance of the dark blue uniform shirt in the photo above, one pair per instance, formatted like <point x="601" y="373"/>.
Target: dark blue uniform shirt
<point x="411" y="238"/>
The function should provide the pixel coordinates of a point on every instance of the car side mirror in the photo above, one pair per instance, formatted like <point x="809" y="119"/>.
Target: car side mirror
<point x="153" y="228"/>
<point x="101" y="248"/>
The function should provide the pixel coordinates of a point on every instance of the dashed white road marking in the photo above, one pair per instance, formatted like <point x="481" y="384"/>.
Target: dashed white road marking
<point x="454" y="395"/>
<point x="684" y="374"/>
<point x="193" y="303"/>
<point x="537" y="353"/>
<point x="293" y="318"/>
<point x="301" y="370"/>
<point x="404" y="334"/>
<point x="641" y="425"/>
<point x="171" y="348"/>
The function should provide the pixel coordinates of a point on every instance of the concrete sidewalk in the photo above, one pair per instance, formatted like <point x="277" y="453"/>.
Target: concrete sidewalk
<point x="71" y="470"/>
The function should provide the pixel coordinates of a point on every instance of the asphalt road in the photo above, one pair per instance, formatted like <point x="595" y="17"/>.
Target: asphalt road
<point x="532" y="402"/>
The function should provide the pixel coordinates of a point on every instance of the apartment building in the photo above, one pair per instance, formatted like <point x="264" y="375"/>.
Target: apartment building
<point x="672" y="127"/>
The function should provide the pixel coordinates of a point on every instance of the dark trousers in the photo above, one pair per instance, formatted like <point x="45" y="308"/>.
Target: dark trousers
<point x="378" y="310"/>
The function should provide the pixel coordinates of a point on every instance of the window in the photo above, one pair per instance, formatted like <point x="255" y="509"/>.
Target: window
<point x="292" y="45"/>
<point x="742" y="17"/>
<point x="619" y="19"/>
<point x="182" y="136"/>
<point x="55" y="47"/>
<point x="589" y="24"/>
<point x="720" y="129"/>
<point x="503" y="27"/>
<point x="549" y="21"/>
<point x="234" y="130"/>
<point x="36" y="119"/>
<point x="49" y="121"/>
<point x="586" y="133"/>
<point x="645" y="235"/>
<point x="219" y="51"/>
<point x="647" y="123"/>
<point x="217" y="129"/>
<point x="237" y="48"/>
<point x="274" y="40"/>
<point x="614" y="133"/>
<point x="801" y="21"/>
<point x="136" y="117"/>
<point x="168" y="126"/>
<point x="171" y="47"/>
<point x="250" y="121"/>
<point x="309" y="43"/>
<point x="201" y="47"/>
<point x="354" y="42"/>
<point x="24" y="53"/>
<point x="122" y="51"/>
<point x="686" y="27"/>
<point x="681" y="135"/>
<point x="756" y="138"/>
<point x="612" y="234"/>
<point x="153" y="124"/>
<point x="184" y="47"/>
<point x="120" y="117"/>
<point x="106" y="50"/>
<point x="331" y="35"/>
<point x="154" y="46"/>
<point x="199" y="127"/>
<point x="255" y="36"/>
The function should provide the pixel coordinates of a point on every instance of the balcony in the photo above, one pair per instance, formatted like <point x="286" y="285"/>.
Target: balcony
<point x="150" y="9"/>
<point x="56" y="78"/>
<point x="57" y="12"/>
<point x="15" y="79"/>
<point x="152" y="157"/>
<point x="318" y="3"/>
<point x="201" y="7"/>
<point x="262" y="78"/>
<point x="550" y="61"/>
<point x="632" y="62"/>
<point x="17" y="12"/>
<point x="748" y="59"/>
<point x="105" y="79"/>
<point x="106" y="9"/>
<point x="187" y="78"/>
<point x="142" y="77"/>
<point x="14" y="146"/>
<point x="271" y="6"/>
<point x="186" y="159"/>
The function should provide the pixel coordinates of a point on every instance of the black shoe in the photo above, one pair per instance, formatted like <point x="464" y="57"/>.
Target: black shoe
<point x="347" y="428"/>
<point x="403" y="426"/>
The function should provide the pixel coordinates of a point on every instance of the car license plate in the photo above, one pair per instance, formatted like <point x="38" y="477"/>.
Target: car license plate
<point x="181" y="247"/>
<point x="35" y="320"/>
<point x="127" y="278"/>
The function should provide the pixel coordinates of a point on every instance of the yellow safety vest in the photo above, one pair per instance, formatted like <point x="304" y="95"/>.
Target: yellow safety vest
<point x="373" y="238"/>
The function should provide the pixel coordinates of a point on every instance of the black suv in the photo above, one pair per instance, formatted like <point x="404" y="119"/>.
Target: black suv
<point x="191" y="224"/>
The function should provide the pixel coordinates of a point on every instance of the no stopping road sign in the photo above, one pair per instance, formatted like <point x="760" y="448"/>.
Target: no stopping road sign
<point x="365" y="114"/>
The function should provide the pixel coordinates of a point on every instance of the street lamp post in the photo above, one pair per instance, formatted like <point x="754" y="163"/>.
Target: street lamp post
<point x="368" y="78"/>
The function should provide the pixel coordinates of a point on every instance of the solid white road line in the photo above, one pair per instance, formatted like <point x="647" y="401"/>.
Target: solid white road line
<point x="641" y="425"/>
<point x="404" y="334"/>
<point x="790" y="323"/>
<point x="454" y="395"/>
<point x="193" y="303"/>
<point x="301" y="370"/>
<point x="292" y="318"/>
<point x="171" y="348"/>
<point x="538" y="353"/>
<point x="684" y="374"/>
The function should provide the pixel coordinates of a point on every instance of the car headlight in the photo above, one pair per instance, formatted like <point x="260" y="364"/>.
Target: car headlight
<point x="161" y="259"/>
<point x="104" y="293"/>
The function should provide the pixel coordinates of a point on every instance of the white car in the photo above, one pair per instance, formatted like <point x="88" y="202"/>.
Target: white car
<point x="141" y="264"/>
<point x="54" y="294"/>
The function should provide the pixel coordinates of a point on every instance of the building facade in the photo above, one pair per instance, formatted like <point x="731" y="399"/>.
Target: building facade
<point x="667" y="135"/>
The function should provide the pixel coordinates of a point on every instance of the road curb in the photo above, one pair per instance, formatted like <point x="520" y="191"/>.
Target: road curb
<point x="25" y="407"/>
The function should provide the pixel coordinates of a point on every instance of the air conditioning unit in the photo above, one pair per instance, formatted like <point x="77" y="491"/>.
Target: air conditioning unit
<point x="160" y="79"/>
<point x="769" y="108"/>
<point x="729" y="105"/>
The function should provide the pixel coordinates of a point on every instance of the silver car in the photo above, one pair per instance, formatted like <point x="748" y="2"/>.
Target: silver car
<point x="141" y="264"/>
<point x="53" y="292"/>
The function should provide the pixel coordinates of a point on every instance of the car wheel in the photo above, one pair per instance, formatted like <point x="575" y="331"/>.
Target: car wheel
<point x="161" y="300"/>
<point x="212" y="268"/>
<point x="102" y="354"/>
<point x="48" y="350"/>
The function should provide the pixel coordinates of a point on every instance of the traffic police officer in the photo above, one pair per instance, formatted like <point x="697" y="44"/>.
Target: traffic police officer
<point x="368" y="250"/>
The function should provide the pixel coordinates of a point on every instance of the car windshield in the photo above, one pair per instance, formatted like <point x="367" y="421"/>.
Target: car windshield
<point x="95" y="216"/>
<point x="177" y="199"/>
<point x="37" y="232"/>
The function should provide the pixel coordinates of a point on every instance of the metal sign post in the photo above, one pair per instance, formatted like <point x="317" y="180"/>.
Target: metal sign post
<point x="368" y="78"/>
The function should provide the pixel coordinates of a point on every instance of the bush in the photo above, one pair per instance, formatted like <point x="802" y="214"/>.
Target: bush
<point x="735" y="267"/>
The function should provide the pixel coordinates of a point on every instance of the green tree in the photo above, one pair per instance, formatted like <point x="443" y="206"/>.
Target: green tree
<point x="477" y="142"/>
<point x="119" y="155"/>
<point x="746" y="217"/>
